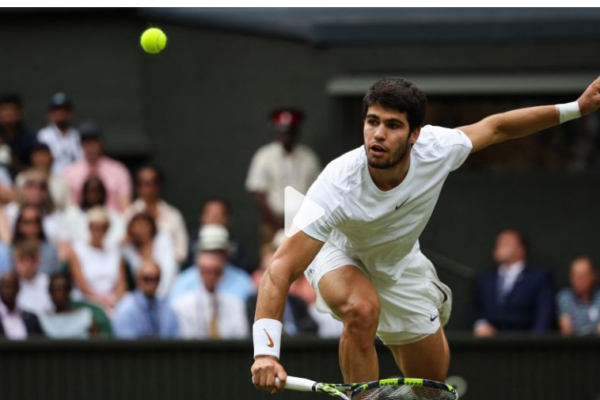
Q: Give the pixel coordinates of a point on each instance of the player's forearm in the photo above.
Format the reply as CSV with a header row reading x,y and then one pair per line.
x,y
272,294
523,122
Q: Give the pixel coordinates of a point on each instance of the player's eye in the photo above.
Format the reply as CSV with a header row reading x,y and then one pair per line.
x,y
372,122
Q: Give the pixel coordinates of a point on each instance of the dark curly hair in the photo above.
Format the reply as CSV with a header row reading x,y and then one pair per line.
x,y
398,94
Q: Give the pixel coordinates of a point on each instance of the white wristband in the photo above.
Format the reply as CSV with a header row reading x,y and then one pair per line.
x,y
568,111
266,335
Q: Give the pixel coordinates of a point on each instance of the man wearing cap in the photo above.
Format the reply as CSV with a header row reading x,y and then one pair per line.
x,y
234,281
278,164
60,136
113,173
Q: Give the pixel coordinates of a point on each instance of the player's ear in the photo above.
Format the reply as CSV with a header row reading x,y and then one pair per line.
x,y
414,135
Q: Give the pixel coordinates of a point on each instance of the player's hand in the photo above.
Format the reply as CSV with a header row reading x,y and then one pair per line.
x,y
590,99
264,371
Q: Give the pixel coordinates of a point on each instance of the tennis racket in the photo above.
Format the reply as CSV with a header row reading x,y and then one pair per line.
x,y
385,389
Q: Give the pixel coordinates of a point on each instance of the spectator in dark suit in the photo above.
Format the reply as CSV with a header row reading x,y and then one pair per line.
x,y
14,322
515,296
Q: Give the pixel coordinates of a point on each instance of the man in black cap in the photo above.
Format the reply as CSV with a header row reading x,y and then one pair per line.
x,y
14,133
114,174
59,135
278,164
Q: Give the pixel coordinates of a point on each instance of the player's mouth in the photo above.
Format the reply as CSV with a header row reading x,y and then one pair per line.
x,y
377,150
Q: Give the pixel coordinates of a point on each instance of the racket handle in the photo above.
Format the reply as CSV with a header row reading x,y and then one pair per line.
x,y
298,384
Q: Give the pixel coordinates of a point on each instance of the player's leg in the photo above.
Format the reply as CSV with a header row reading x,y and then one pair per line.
x,y
428,358
352,297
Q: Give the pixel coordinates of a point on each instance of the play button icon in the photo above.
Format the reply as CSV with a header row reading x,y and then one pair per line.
x,y
299,211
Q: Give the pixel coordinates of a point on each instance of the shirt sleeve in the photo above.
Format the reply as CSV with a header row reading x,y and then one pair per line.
x,y
257,180
454,145
563,302
325,195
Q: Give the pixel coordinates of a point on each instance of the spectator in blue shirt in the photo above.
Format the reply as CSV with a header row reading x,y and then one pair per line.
x,y
579,305
141,314
235,281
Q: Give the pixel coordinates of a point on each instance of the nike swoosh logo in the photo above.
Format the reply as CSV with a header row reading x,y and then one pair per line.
x,y
271,344
397,207
432,318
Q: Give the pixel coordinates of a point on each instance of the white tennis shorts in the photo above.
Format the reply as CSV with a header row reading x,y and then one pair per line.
x,y
412,307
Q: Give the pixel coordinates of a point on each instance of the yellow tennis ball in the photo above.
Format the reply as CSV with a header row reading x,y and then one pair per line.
x,y
153,40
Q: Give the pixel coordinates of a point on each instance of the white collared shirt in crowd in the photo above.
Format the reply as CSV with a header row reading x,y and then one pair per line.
x,y
194,313
272,169
508,275
34,296
65,147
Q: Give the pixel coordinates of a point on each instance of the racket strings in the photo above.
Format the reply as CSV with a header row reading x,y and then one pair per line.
x,y
403,393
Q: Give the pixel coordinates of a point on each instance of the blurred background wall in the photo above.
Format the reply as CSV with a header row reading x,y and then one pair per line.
x,y
199,109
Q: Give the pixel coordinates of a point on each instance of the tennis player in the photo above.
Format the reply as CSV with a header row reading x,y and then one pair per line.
x,y
363,257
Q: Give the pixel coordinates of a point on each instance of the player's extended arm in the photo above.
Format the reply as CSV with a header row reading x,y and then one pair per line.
x,y
518,123
289,261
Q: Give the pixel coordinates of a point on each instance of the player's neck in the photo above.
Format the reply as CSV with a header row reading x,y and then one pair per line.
x,y
387,179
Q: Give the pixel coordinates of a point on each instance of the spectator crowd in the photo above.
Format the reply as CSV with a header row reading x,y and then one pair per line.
x,y
81,257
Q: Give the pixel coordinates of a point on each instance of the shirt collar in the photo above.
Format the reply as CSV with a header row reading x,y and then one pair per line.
x,y
511,269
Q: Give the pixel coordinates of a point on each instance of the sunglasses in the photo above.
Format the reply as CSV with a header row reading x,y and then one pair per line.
x,y
150,278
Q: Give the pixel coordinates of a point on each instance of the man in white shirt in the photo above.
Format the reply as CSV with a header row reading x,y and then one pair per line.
x,y
363,255
281,163
207,313
33,293
59,135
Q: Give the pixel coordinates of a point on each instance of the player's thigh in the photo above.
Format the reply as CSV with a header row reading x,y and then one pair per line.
x,y
428,358
349,293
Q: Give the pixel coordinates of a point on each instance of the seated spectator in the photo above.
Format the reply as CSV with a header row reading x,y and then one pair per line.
x,y
35,192
235,282
66,321
29,227
14,133
98,270
149,182
59,135
33,293
141,314
113,173
41,160
15,323
93,195
145,243
515,296
296,319
579,305
218,212
207,313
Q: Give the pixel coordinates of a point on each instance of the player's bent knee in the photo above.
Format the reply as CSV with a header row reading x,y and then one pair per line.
x,y
361,315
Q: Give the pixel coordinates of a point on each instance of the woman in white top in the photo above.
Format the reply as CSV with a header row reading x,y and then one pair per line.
x,y
144,242
93,195
35,192
98,270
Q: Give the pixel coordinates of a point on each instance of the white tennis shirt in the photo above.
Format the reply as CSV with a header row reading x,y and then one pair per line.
x,y
379,228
